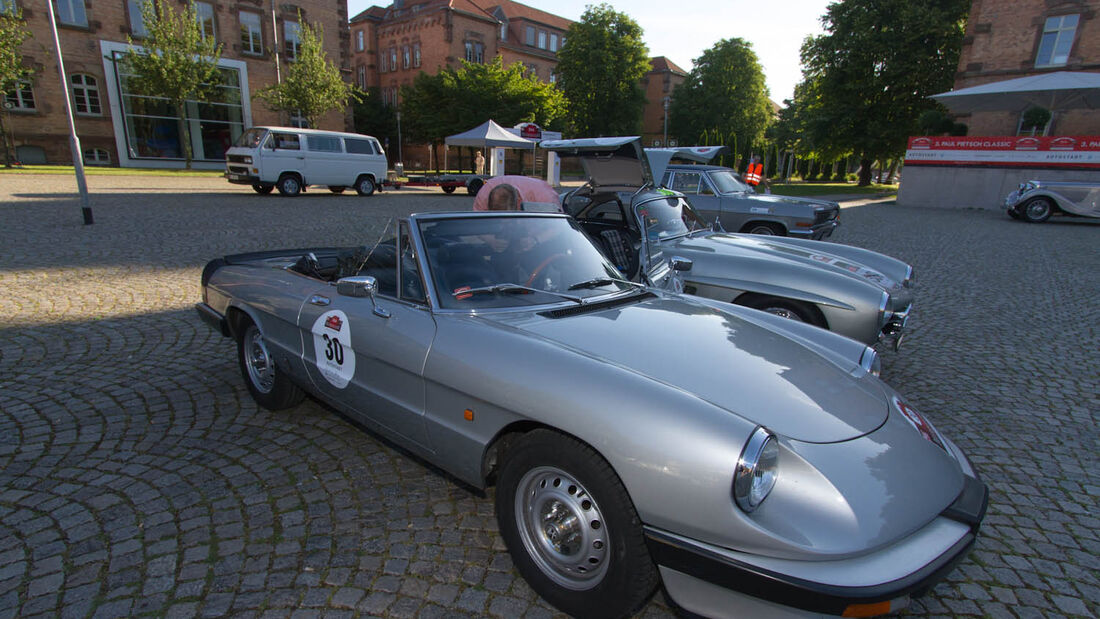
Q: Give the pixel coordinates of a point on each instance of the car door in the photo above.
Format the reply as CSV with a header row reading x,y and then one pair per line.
x,y
693,184
367,356
281,152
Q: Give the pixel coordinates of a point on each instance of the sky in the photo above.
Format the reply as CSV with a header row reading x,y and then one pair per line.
x,y
682,30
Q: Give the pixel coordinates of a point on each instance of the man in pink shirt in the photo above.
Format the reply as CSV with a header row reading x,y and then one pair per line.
x,y
525,189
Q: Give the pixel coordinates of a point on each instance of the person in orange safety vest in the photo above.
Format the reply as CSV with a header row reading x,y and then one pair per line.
x,y
754,173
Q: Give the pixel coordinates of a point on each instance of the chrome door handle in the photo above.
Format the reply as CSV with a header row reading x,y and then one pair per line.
x,y
319,300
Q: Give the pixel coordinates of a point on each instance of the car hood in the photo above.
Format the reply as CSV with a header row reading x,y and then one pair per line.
x,y
725,359
755,246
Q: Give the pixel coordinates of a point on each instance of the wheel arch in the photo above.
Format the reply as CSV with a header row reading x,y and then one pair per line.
x,y
237,317
747,297
491,455
773,223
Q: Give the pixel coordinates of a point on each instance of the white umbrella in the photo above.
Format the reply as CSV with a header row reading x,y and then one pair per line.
x,y
1062,90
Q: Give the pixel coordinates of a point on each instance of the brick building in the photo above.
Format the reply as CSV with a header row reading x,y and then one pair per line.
x,y
117,127
663,77
1018,38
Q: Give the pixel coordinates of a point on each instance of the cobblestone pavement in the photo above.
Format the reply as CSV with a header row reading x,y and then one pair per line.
x,y
138,477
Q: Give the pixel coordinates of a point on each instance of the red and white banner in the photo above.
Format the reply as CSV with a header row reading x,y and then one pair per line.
x,y
1005,151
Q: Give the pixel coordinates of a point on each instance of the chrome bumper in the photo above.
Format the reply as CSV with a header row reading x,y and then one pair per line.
x,y
893,328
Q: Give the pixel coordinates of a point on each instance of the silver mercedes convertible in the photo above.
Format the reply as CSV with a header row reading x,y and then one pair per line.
x,y
751,464
856,292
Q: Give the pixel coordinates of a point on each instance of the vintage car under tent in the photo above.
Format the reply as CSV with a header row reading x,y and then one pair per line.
x,y
979,171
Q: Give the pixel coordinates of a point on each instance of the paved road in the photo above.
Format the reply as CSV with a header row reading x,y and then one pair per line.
x,y
136,475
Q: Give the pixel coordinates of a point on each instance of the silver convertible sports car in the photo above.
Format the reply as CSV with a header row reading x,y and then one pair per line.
x,y
635,436
853,291
1037,201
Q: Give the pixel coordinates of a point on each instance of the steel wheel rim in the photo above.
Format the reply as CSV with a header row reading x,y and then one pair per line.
x,y
784,312
562,528
366,186
261,371
290,185
1038,208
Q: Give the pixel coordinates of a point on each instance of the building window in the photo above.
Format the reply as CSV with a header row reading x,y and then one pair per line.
x,y
530,35
1057,41
381,61
416,54
72,13
563,41
503,30
137,20
22,98
553,42
7,7
291,40
297,120
406,57
204,13
393,59
359,40
475,52
252,42
361,76
97,156
85,94
542,39
553,78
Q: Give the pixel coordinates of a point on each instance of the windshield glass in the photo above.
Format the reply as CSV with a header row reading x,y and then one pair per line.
x,y
251,138
725,181
540,259
669,217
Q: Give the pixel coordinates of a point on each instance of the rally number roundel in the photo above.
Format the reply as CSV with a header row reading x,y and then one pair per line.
x,y
332,348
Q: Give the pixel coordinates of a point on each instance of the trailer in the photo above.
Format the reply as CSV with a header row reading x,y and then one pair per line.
x,y
447,182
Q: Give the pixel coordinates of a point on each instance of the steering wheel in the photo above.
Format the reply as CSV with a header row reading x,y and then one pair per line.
x,y
542,265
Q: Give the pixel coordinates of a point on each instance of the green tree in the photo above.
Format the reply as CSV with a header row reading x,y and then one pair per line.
x,y
12,71
870,75
601,67
457,99
724,95
313,86
176,63
373,117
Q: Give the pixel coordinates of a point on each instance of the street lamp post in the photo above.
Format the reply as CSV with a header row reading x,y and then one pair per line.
x,y
399,136
666,101
74,141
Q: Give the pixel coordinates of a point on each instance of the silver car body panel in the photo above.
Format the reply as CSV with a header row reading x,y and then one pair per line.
x,y
1073,198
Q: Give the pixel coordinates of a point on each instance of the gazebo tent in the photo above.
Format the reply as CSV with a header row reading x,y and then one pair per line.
x,y
488,135
1057,91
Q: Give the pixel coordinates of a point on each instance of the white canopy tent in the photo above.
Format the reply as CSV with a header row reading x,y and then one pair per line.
x,y
1062,90
487,135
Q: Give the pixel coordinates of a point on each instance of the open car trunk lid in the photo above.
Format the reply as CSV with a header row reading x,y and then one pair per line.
x,y
616,162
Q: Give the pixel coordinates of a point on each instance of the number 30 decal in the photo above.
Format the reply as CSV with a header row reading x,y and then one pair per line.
x,y
332,348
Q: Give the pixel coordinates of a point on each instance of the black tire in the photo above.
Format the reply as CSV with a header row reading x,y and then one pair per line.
x,y
337,188
262,188
448,189
765,228
787,308
365,185
1037,210
267,384
1013,213
592,560
474,186
289,185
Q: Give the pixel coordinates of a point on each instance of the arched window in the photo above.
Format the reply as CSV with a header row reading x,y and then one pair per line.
x,y
97,156
85,94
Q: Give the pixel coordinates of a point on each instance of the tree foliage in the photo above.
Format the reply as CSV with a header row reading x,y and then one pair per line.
x,y
373,117
12,72
867,79
175,63
312,86
601,67
457,99
724,99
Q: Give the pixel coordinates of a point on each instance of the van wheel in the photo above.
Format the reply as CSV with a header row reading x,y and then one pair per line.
x,y
289,185
262,188
474,186
337,188
365,185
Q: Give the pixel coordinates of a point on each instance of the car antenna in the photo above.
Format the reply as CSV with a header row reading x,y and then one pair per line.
x,y
376,244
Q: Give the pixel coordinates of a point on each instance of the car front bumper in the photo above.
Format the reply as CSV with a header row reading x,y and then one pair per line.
x,y
714,581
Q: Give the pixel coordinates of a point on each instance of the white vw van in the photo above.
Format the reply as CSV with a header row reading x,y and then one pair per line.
x,y
292,159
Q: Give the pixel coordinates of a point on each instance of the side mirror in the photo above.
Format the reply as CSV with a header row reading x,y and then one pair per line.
x,y
362,286
678,263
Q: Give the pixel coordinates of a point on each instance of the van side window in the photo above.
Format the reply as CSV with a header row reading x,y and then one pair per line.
x,y
324,143
359,147
285,141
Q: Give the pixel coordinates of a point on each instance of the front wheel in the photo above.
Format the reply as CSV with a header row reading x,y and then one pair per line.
x,y
765,228
289,185
448,189
262,188
1037,210
785,308
571,527
474,186
269,387
365,186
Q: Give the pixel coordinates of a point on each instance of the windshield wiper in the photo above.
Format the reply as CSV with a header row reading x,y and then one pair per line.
x,y
596,282
506,287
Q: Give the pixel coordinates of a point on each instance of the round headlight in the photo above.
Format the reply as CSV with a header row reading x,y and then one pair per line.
x,y
757,470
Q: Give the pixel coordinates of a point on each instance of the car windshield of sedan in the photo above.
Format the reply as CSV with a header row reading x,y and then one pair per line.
x,y
513,260
725,181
